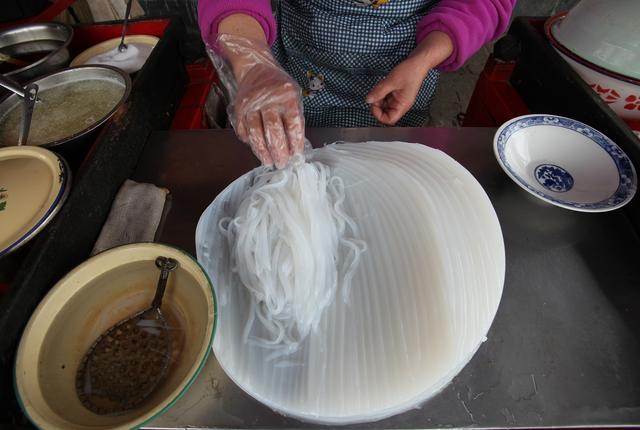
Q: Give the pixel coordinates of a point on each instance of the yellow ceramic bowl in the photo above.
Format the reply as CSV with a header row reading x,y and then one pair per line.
x,y
94,296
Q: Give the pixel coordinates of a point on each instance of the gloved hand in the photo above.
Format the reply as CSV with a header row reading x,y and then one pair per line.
x,y
265,102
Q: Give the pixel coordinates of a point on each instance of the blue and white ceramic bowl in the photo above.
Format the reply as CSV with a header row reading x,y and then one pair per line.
x,y
565,162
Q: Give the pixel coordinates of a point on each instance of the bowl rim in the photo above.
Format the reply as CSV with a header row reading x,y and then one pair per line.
x,y
56,204
56,51
131,38
548,29
601,206
123,99
189,382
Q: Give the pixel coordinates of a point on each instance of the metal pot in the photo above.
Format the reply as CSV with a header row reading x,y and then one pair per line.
x,y
77,139
29,42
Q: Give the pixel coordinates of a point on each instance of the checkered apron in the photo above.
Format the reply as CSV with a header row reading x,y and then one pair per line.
x,y
338,50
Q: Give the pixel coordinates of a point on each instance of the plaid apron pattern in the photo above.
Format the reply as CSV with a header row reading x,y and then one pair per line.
x,y
338,50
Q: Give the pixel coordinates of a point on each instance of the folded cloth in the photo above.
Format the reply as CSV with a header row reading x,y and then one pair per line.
x,y
134,217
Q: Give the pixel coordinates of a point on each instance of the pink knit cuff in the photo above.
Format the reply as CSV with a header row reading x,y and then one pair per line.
x,y
212,12
469,23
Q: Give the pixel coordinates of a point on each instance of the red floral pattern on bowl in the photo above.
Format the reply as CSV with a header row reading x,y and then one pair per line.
x,y
623,97
607,94
633,102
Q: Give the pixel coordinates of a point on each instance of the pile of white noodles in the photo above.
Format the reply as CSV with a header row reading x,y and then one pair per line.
x,y
293,247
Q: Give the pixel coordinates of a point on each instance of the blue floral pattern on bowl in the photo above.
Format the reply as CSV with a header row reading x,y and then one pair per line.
x,y
554,178
626,172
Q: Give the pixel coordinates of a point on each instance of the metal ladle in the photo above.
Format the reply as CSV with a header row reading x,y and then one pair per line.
x,y
29,96
123,46
125,363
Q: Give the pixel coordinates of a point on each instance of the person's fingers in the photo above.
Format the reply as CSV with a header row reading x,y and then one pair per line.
x,y
377,112
396,110
239,124
381,110
294,127
276,138
380,91
390,110
257,138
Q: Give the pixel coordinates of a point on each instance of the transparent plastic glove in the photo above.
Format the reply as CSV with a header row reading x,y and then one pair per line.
x,y
265,106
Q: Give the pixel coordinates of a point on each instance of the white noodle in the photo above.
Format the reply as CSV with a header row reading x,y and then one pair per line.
x,y
293,247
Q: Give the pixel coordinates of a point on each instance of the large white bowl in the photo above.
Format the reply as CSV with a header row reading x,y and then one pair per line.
x,y
622,96
621,92
565,162
606,33
434,255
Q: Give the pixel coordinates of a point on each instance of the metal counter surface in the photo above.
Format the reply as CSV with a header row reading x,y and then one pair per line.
x,y
563,350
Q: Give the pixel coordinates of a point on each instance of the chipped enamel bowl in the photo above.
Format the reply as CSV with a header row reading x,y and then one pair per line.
x,y
565,162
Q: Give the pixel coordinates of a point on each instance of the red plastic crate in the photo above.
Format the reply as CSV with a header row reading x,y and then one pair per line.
x,y
86,36
190,112
494,100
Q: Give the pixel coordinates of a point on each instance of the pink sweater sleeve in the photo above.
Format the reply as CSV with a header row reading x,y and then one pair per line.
x,y
469,23
211,12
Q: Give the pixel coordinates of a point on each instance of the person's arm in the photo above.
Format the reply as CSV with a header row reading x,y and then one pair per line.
x,y
446,37
244,26
469,23
396,93
265,107
211,14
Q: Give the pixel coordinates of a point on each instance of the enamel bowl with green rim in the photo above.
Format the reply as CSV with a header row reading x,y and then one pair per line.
x,y
97,294
34,184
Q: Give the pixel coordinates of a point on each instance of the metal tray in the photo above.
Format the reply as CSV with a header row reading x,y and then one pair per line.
x,y
564,347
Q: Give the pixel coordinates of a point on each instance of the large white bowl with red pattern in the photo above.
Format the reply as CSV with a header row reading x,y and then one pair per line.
x,y
620,92
622,96
605,33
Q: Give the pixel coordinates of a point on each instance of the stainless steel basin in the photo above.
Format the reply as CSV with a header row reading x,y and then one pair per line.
x,y
43,47
67,83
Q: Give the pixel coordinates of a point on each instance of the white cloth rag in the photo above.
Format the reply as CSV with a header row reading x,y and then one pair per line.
x,y
134,216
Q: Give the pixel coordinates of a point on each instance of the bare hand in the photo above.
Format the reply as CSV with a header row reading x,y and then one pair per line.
x,y
395,94
392,97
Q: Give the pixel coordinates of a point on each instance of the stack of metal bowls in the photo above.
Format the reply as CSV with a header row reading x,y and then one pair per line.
x,y
73,104
34,50
39,53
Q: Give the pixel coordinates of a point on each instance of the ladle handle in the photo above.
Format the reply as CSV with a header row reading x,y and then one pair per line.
x,y
166,265
29,101
123,46
11,85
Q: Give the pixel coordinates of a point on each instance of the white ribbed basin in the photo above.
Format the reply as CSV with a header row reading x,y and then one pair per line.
x,y
421,303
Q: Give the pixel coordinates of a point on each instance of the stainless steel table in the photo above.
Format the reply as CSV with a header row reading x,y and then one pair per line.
x,y
564,349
